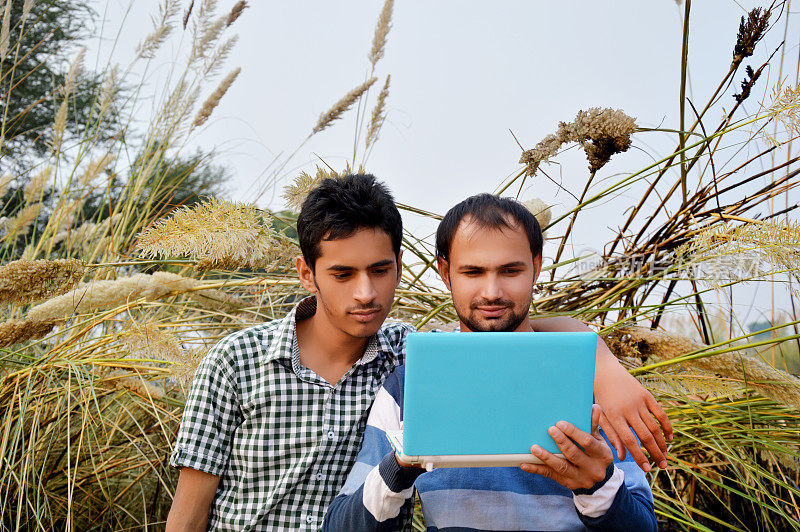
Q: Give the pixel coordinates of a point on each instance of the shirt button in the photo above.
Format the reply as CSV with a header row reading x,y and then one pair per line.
x,y
331,435
319,476
310,519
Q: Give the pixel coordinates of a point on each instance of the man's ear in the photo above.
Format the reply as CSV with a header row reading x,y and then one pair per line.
x,y
306,275
444,271
399,267
537,267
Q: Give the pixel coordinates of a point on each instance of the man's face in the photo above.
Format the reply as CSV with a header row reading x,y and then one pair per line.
x,y
490,275
354,279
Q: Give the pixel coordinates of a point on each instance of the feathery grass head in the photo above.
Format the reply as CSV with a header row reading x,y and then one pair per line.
x,y
21,222
340,107
295,194
653,345
148,340
381,33
162,26
727,252
34,188
25,281
5,30
105,294
236,12
17,331
378,115
213,232
211,103
540,210
750,32
600,132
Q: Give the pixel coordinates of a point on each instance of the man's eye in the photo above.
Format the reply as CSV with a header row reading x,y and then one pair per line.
x,y
380,271
512,271
472,273
341,276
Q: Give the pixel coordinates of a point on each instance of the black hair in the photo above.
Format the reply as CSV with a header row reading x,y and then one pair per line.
x,y
337,207
489,211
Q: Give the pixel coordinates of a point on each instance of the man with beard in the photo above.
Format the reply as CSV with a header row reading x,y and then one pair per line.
x,y
489,256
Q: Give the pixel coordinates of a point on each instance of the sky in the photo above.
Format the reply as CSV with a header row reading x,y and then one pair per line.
x,y
464,76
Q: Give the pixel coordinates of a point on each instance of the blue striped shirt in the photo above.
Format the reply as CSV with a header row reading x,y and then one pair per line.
x,y
378,493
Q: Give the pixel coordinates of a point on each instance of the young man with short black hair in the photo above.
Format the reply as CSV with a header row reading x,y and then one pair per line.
x,y
489,256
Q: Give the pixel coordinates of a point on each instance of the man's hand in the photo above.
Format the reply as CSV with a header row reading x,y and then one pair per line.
x,y
626,403
580,468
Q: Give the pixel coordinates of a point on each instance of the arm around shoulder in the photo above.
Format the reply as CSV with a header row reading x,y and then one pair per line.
x,y
192,502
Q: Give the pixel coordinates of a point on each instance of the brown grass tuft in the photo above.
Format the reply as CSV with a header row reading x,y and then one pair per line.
x,y
650,346
236,12
24,281
16,331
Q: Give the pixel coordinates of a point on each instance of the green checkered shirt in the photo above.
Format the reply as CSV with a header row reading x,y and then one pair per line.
x,y
281,438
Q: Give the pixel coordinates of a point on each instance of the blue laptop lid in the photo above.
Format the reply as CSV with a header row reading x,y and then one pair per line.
x,y
494,393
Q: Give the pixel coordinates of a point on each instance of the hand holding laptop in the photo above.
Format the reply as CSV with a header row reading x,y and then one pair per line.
x,y
585,457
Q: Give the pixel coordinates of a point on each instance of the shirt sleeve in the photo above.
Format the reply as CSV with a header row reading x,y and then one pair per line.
x,y
623,502
378,494
210,417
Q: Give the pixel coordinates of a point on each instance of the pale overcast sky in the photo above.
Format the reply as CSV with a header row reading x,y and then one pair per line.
x,y
464,73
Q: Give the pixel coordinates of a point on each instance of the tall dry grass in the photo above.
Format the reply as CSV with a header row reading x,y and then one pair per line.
x,y
95,362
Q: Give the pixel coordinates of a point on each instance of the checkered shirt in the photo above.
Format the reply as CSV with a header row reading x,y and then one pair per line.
x,y
281,438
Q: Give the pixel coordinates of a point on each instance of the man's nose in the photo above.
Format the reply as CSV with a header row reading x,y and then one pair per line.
x,y
492,288
364,290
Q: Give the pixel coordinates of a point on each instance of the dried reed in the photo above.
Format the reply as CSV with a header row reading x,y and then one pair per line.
x,y
32,192
600,132
25,281
540,210
17,331
211,103
5,30
340,107
99,295
216,232
236,12
378,115
381,33
295,193
647,344
162,27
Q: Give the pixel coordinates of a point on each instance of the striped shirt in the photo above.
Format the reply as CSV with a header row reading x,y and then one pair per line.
x,y
378,494
281,437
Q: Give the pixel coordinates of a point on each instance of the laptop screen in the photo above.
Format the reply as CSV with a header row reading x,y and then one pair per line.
x,y
496,392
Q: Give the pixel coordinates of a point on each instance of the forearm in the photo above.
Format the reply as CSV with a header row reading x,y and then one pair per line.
x,y
193,498
382,503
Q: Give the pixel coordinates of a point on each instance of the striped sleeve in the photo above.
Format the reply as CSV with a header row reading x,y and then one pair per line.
x,y
378,493
627,503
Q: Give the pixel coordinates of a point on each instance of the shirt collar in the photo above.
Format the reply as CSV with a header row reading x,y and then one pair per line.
x,y
284,344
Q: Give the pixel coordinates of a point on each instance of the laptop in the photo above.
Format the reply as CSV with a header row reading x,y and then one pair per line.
x,y
483,399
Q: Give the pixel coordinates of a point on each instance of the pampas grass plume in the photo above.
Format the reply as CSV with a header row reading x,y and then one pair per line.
x,y
16,331
216,232
34,188
381,33
24,281
100,295
236,12
340,107
540,210
211,103
378,114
